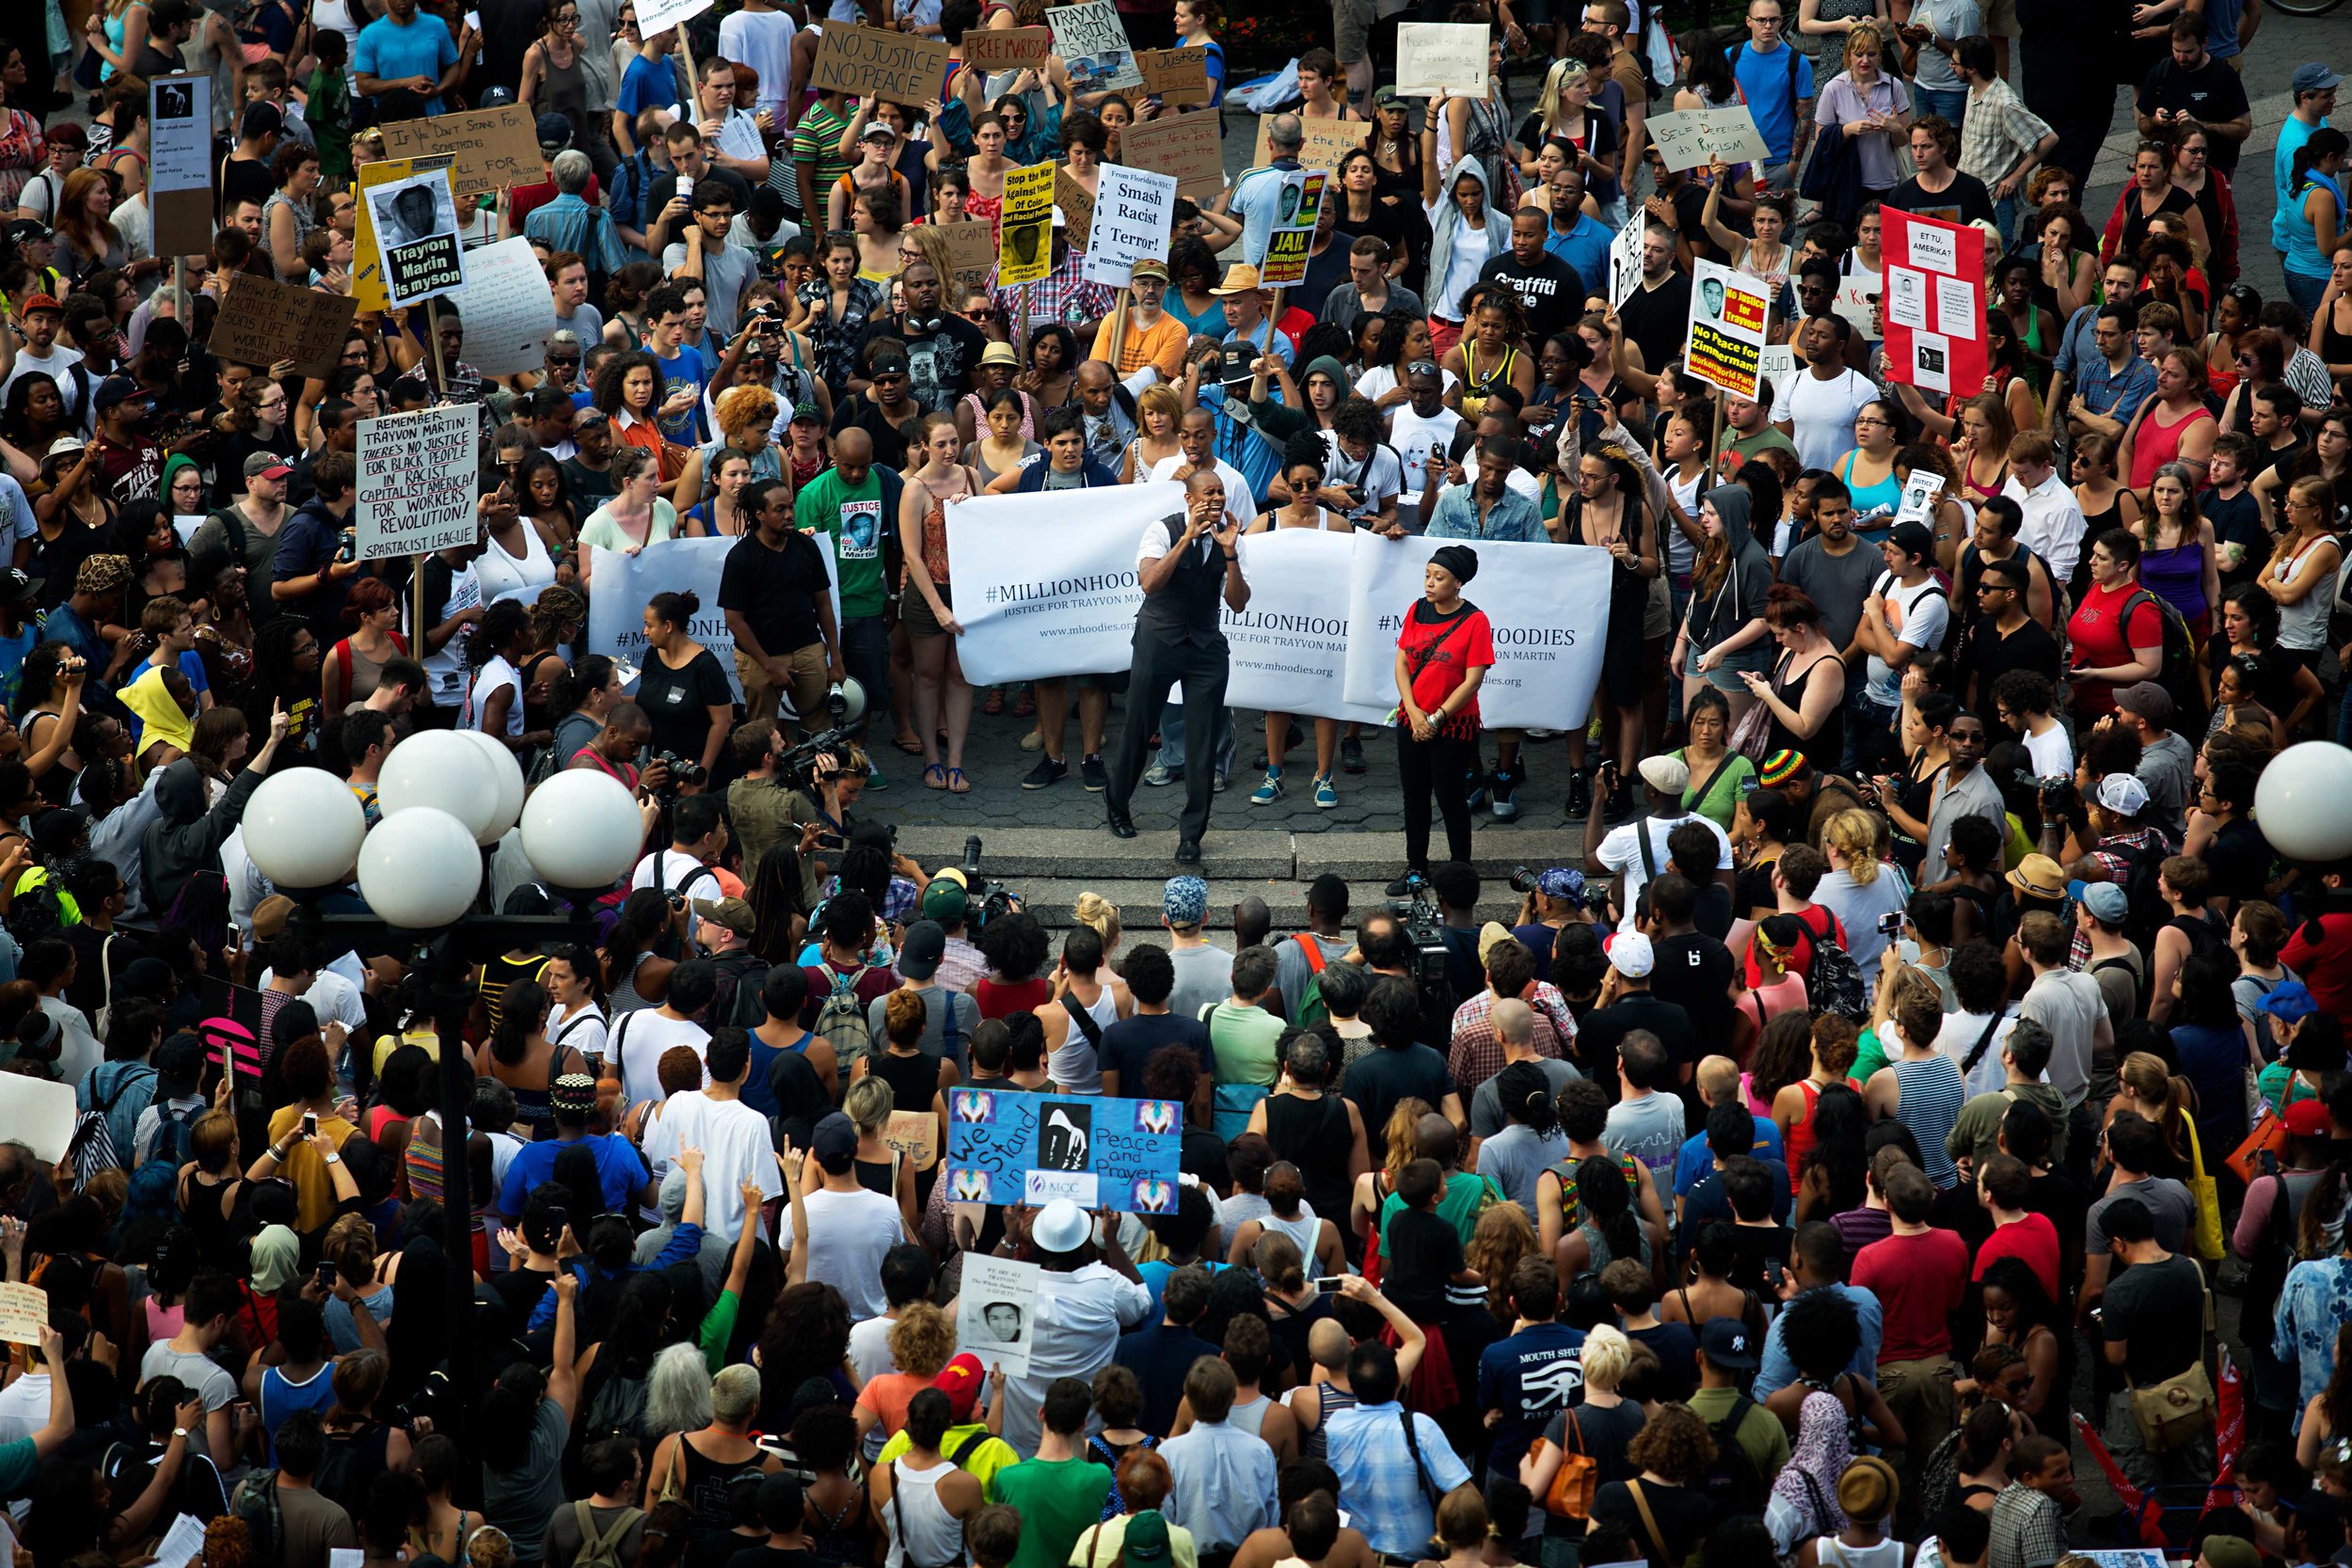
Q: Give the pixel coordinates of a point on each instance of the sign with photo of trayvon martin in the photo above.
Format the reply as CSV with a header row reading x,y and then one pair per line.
x,y
417,235
1092,43
1726,328
1296,209
996,1310
1025,239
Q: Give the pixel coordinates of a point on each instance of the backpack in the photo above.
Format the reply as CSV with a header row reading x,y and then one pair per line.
x,y
1732,1482
1832,981
2145,911
601,1551
741,976
841,1022
2177,674
618,1410
171,1133
112,1133
255,1501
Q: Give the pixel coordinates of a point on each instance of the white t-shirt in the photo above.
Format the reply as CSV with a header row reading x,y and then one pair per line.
x,y
1821,413
494,674
24,1406
1241,502
2052,754
1958,1039
870,1353
1414,436
445,666
1621,853
848,1235
1916,616
1379,381
763,40
680,873
58,367
584,1031
641,1038
734,1142
334,998
1380,475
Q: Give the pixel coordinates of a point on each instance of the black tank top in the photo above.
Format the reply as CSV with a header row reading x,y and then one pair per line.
x,y
1826,747
1313,1134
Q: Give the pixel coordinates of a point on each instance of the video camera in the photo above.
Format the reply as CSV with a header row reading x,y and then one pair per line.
x,y
985,900
1425,936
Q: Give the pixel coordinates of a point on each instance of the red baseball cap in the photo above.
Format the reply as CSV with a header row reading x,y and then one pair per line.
x,y
2308,1119
40,302
960,1380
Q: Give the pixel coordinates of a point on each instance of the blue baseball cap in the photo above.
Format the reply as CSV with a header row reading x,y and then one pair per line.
x,y
2103,899
2290,1001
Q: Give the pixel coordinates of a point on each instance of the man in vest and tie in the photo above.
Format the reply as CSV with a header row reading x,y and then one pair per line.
x,y
1185,564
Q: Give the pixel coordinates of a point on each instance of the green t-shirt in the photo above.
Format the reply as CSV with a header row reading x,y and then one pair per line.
x,y
1870,1056
1059,1499
1243,1041
1760,1436
1468,1195
853,515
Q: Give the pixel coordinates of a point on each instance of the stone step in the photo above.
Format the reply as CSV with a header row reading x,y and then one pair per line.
x,y
1086,853
1053,899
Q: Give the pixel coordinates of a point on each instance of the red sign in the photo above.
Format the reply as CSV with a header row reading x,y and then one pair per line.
x,y
1932,300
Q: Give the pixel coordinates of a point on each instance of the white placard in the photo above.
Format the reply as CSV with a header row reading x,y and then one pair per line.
x,y
1956,311
1289,648
1624,259
1853,304
1134,211
1092,43
1931,361
624,583
1548,604
1932,248
1920,493
1777,363
1448,57
996,1310
418,235
38,1115
1906,302
180,135
1689,138
418,476
509,313
1046,583
181,1544
655,16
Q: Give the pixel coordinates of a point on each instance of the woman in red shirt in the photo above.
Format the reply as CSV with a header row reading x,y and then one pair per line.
x,y
1442,654
2107,652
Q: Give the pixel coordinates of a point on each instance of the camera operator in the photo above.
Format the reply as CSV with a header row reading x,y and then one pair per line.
x,y
758,805
686,869
1552,900
817,805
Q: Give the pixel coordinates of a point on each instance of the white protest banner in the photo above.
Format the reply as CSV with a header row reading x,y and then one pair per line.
x,y
418,473
179,167
655,16
996,1311
1289,648
1777,363
509,313
418,235
24,1313
1134,210
624,582
41,1115
1548,605
1624,259
1726,328
1689,138
1448,57
1297,210
1852,303
1045,583
1092,43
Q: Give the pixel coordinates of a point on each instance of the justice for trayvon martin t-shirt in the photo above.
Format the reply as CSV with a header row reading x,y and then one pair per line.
x,y
853,515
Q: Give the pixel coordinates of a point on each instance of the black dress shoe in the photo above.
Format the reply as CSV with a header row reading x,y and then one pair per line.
x,y
1189,852
1121,825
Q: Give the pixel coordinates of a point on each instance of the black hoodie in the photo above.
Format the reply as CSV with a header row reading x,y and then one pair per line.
x,y
188,837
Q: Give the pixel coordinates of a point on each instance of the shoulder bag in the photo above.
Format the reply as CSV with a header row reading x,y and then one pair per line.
x,y
2171,1413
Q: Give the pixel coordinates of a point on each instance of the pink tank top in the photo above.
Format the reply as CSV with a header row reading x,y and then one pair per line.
x,y
2157,443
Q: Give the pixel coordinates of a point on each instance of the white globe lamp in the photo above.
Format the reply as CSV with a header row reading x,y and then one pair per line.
x,y
420,870
2304,801
439,771
303,827
582,829
508,773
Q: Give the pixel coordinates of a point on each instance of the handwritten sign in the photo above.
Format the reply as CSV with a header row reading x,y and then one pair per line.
x,y
1092,43
1025,250
1077,207
1434,57
1726,338
1007,48
972,251
1688,138
1097,1153
1184,145
489,150
1296,210
509,313
1180,72
179,172
262,321
24,1313
417,477
1624,259
874,62
1132,218
660,16
914,1134
1326,141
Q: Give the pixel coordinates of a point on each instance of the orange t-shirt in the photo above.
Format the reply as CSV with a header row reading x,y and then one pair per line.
x,y
888,1396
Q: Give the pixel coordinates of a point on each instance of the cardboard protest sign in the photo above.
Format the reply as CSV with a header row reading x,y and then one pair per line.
x,y
1728,311
1688,138
1775,364
180,164
509,313
972,247
1934,302
1624,259
1326,141
1133,212
1180,72
262,321
1025,247
24,1313
1434,57
1296,210
1077,207
1185,146
40,1115
417,477
914,1134
1092,43
367,264
417,237
656,16
996,1312
489,150
874,62
1007,48
1030,1149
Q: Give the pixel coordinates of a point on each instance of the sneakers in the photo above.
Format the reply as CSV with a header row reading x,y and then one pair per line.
x,y
1476,789
1223,778
1352,754
874,778
1048,772
1160,778
1325,797
1270,791
1580,795
1503,798
1092,774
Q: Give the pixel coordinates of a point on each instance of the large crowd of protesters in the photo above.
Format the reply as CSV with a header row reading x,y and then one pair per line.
x,y
1844,1149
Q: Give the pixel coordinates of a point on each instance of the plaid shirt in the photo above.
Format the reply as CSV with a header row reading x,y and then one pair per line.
x,y
2029,1529
961,967
1477,1053
1999,130
2115,855
1380,1484
1062,297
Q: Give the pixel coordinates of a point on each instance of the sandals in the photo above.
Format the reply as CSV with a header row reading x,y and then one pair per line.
x,y
911,745
934,777
996,704
957,782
